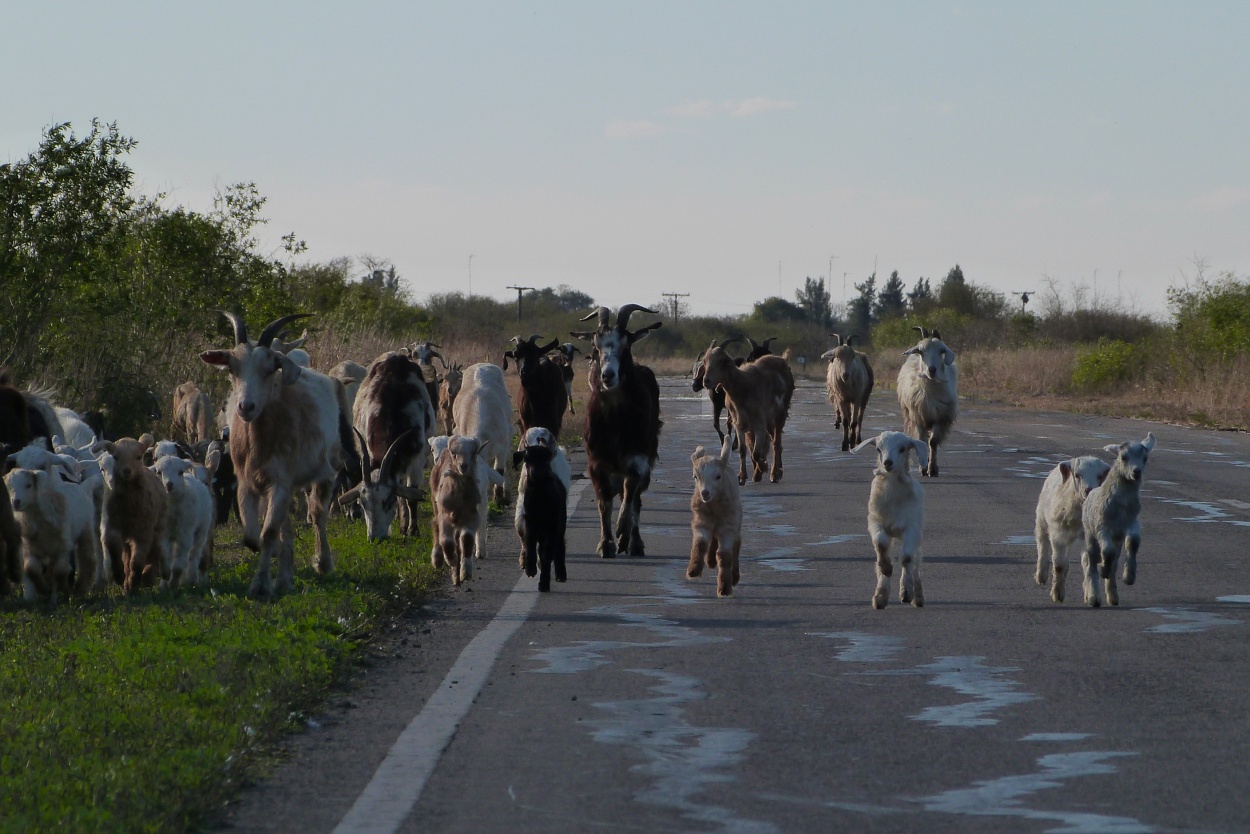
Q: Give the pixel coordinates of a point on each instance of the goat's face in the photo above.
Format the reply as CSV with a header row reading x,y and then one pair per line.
x,y
539,436
842,359
127,455
462,453
171,470
712,476
893,448
1132,457
614,354
452,379
716,366
23,486
1086,473
697,373
257,375
934,356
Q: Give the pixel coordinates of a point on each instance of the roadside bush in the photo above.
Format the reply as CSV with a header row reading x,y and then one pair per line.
x,y
1110,364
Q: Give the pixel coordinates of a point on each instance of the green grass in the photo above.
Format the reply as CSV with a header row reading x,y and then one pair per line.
x,y
146,713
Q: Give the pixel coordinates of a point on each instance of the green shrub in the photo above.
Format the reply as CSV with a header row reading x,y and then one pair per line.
x,y
1111,363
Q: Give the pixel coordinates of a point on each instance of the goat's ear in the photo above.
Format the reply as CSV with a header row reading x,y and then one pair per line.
x,y
290,371
949,355
1114,448
726,448
911,351
506,355
872,441
1065,469
827,355
147,441
698,453
220,358
212,460
408,493
922,453
1149,442
351,495
518,458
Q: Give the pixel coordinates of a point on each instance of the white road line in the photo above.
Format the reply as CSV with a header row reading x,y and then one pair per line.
x,y
397,784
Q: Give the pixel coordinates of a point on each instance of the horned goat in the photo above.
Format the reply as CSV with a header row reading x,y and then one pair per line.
x,y
928,393
483,409
896,511
759,396
716,518
542,396
287,431
716,395
563,357
622,427
848,380
1110,519
542,505
193,413
450,382
1058,519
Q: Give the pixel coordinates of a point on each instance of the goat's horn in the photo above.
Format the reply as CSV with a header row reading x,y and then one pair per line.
x,y
731,340
388,460
275,327
240,329
851,338
366,463
603,313
627,310
431,344
534,337
837,340
924,334
766,341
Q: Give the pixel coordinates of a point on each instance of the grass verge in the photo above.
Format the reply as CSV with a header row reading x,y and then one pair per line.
x,y
146,713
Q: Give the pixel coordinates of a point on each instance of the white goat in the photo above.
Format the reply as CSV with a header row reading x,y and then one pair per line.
x,y
896,511
58,533
460,498
1058,522
928,393
483,409
716,518
1110,520
542,505
189,523
848,381
77,433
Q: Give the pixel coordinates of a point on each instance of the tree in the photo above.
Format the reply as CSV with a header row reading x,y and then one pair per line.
x,y
890,302
816,303
861,307
778,309
920,295
564,298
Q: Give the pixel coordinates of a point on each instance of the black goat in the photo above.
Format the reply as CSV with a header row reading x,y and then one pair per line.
x,y
542,515
543,397
622,429
563,356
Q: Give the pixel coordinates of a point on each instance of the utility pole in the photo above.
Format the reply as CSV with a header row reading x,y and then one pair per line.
x,y
470,276
673,296
832,258
519,292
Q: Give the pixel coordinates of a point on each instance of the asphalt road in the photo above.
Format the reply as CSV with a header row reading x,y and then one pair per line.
x,y
631,699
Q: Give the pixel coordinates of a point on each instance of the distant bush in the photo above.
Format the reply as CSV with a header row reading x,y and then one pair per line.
x,y
1111,363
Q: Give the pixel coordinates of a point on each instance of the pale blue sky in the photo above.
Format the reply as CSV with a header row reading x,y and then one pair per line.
x,y
630,149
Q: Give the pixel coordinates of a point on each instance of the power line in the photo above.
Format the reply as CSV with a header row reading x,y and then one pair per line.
x,y
673,296
520,291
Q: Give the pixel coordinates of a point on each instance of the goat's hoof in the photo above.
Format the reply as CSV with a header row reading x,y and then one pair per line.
x,y
1056,596
561,574
918,600
904,597
636,548
1092,603
606,549
878,601
544,585
260,592
694,571
1041,578
724,592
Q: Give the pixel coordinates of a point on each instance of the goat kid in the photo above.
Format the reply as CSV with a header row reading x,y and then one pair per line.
x,y
542,505
716,518
1058,519
460,496
1110,521
896,511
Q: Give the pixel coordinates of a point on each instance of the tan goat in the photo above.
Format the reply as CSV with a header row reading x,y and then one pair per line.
x,y
193,413
759,402
716,518
134,516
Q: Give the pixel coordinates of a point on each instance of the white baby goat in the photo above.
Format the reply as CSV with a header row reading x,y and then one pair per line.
x,y
896,511
1110,520
1058,522
716,518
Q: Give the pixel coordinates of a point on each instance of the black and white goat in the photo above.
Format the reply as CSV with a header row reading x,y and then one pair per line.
x,y
622,429
392,417
543,396
542,505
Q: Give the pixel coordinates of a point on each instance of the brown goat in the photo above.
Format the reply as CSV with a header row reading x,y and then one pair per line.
x,y
134,513
759,402
193,414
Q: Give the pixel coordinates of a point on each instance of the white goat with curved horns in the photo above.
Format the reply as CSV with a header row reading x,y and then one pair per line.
x,y
287,431
928,393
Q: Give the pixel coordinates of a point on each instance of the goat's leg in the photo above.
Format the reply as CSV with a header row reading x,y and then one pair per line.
x,y
717,408
847,416
1110,555
467,542
603,490
557,546
1041,575
910,584
932,471
857,412
778,469
700,544
544,560
726,546
85,552
636,482
885,568
318,502
279,502
529,552
742,454
734,552
115,547
1132,544
1090,560
249,517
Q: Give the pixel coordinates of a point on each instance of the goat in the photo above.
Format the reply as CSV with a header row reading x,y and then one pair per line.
x,y
563,357
459,496
848,380
483,410
59,542
928,393
349,374
717,396
77,432
542,505
189,526
1058,518
896,511
392,417
224,483
425,354
193,413
622,427
543,396
288,430
25,415
759,396
450,382
1110,520
10,546
715,518
135,515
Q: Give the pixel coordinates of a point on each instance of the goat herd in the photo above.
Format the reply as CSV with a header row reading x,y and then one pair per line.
x,y
80,511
